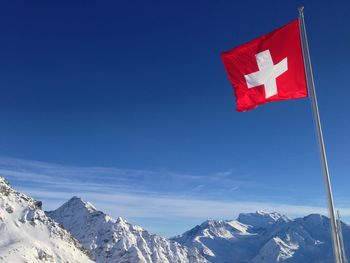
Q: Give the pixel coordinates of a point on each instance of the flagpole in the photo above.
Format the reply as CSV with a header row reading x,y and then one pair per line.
x,y
341,239
316,114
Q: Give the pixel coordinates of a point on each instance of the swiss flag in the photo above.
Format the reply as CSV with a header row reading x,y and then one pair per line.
x,y
269,68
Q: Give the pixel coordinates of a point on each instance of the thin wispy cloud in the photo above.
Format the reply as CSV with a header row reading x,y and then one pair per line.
x,y
139,194
44,175
171,206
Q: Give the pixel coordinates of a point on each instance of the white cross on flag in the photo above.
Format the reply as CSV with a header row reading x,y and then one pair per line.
x,y
269,68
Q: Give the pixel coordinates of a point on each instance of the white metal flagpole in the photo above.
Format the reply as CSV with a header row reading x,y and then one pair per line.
x,y
341,239
316,114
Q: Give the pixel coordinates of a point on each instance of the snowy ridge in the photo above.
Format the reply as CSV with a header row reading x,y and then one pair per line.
x,y
259,219
263,237
116,240
220,241
275,250
28,235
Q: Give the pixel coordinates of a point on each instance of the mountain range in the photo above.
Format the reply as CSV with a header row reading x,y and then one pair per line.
x,y
78,232
111,240
263,237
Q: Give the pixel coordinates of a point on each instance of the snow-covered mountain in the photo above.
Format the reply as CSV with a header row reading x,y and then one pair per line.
x,y
118,241
28,235
265,238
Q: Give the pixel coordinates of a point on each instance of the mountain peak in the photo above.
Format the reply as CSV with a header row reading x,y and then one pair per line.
x,y
2,179
264,213
121,220
259,219
4,183
75,198
316,218
78,203
76,212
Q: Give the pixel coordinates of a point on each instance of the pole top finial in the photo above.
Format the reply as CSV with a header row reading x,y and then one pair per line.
x,y
301,9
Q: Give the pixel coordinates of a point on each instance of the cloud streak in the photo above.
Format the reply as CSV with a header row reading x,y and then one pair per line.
x,y
45,175
140,194
135,206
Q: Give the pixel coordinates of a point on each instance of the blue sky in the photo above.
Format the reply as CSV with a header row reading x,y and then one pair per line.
x,y
127,104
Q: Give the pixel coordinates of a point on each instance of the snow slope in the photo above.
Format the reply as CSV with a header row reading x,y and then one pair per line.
x,y
116,240
28,235
265,238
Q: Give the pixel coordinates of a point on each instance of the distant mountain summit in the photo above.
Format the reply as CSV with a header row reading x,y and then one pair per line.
x,y
261,219
28,235
263,237
112,240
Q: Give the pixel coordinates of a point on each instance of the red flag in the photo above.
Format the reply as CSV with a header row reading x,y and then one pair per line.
x,y
269,68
